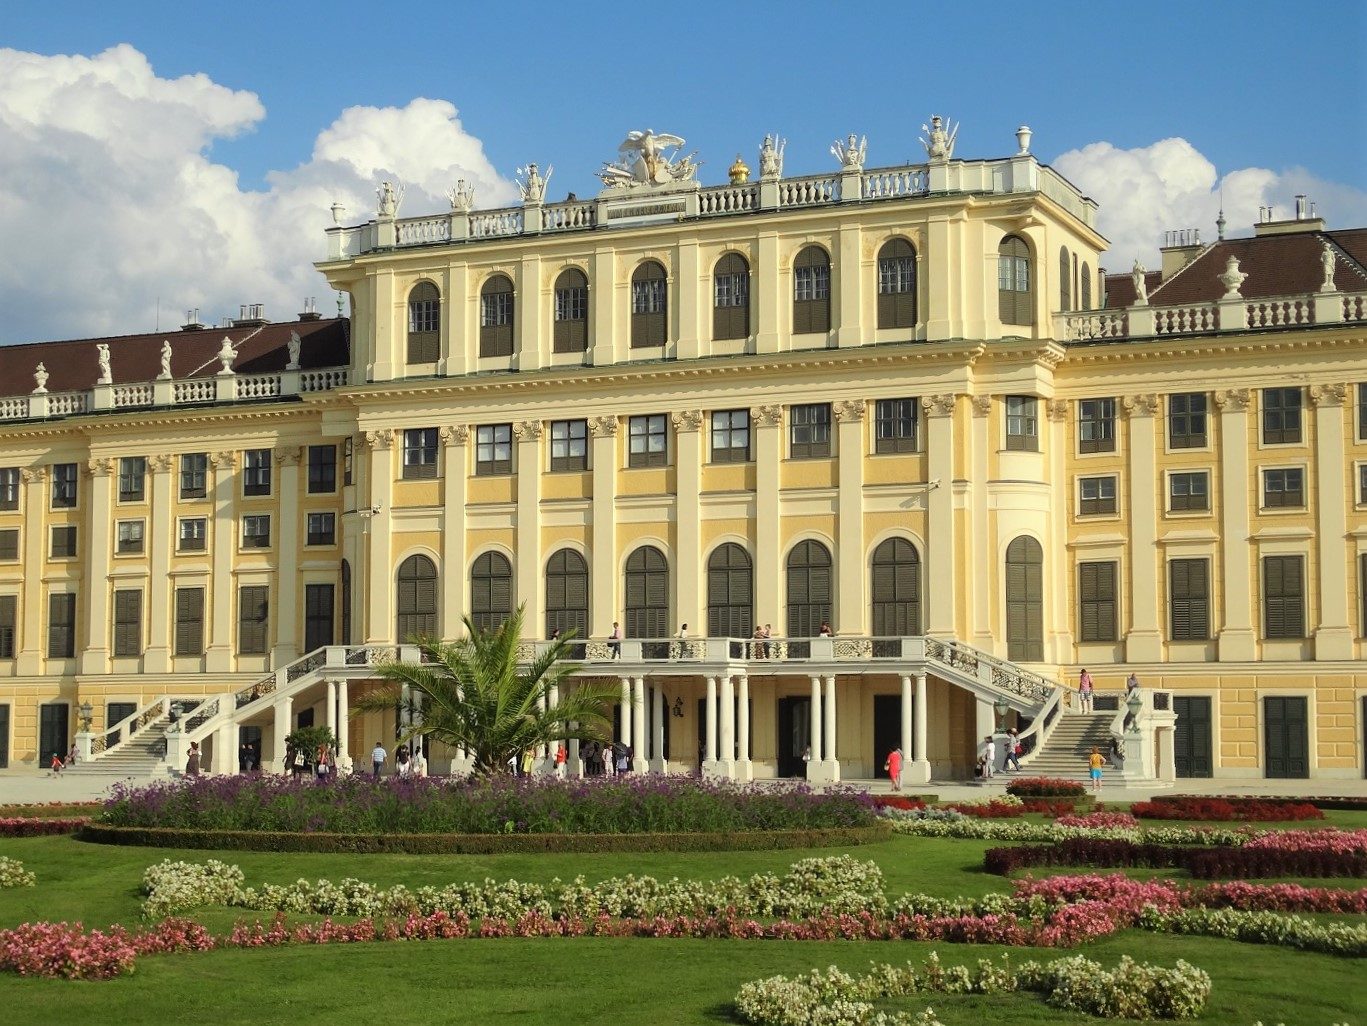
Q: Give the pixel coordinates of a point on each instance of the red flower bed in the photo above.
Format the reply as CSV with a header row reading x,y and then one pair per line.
x,y
1202,863
1051,808
1223,810
1046,787
991,810
32,827
897,801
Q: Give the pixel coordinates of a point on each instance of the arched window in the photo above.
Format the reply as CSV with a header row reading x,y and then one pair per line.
x,y
647,597
1025,601
1086,287
896,589
811,291
424,323
1015,293
897,285
809,592
567,593
1065,278
571,311
731,297
491,591
346,602
649,306
496,317
417,600
730,593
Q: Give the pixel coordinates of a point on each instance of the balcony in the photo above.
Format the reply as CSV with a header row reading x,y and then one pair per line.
x,y
1239,315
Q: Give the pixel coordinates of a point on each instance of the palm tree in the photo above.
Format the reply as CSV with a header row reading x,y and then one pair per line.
x,y
476,694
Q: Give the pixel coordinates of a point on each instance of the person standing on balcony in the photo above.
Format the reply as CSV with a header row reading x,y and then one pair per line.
x,y
893,764
615,640
1084,690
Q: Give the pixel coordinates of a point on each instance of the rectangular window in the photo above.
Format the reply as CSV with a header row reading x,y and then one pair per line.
x,y
424,315
9,543
127,622
1283,597
64,486
1022,423
189,621
1281,416
128,537
730,436
493,450
9,488
253,618
1096,425
419,453
648,296
132,478
1189,599
1096,495
322,469
648,440
256,531
809,431
895,423
9,609
256,472
194,475
1096,601
731,289
193,535
318,605
1187,420
569,445
572,303
61,626
811,283
63,542
322,529
1284,489
1189,491
495,309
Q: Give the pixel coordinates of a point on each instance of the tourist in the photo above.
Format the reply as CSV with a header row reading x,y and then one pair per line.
x,y
768,633
678,650
322,762
893,764
760,649
244,757
1094,763
624,755
56,766
989,757
561,756
1084,690
1014,750
609,759
377,760
615,640
298,761
526,763
192,762
402,764
824,631
71,755
253,759
1131,691
419,769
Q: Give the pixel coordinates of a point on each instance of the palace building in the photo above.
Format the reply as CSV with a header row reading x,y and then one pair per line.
x,y
872,458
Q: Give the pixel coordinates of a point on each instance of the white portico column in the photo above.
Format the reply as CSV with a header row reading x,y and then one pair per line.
x,y
906,723
727,756
624,712
282,711
830,764
918,772
343,727
744,770
814,753
639,762
709,764
330,707
657,730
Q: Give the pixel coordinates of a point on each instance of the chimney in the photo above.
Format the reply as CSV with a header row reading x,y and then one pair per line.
x,y
251,315
192,321
310,312
1304,221
1179,248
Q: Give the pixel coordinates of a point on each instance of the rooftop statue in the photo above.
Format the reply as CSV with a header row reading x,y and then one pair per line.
x,y
165,374
1328,259
293,346
642,160
40,380
462,197
534,188
771,158
389,199
939,138
1141,285
227,354
851,152
106,374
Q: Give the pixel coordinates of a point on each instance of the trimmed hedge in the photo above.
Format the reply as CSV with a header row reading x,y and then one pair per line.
x,y
1202,863
50,810
481,844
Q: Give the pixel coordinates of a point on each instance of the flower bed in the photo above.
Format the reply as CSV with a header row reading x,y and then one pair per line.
x,y
25,826
1101,820
948,823
1203,863
1046,787
1225,810
50,810
898,801
13,874
1344,841
358,805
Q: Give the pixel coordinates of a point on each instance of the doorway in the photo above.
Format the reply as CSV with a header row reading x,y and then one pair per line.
x,y
1191,740
887,729
250,736
53,732
1286,738
794,735
117,712
4,737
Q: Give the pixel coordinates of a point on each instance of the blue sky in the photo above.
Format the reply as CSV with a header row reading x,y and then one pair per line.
x,y
1253,89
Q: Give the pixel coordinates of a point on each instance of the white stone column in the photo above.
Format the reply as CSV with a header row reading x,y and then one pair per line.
x,y
222,592
379,623
1333,635
1237,640
659,714
850,589
224,760
330,712
94,648
528,571
343,727
639,762
710,752
906,735
744,768
920,766
687,520
286,538
1143,642
814,760
575,764
940,546
726,756
161,536
454,440
624,711
283,710
830,763
603,541
766,423
33,604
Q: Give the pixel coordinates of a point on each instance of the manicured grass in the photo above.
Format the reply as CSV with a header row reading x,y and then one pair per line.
x,y
558,980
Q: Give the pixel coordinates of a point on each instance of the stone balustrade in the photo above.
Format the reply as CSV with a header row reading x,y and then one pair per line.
x,y
1212,318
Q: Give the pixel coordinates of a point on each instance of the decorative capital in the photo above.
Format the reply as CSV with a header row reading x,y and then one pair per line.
x,y
767,416
1233,398
102,466
1056,409
982,405
30,475
851,410
454,434
159,463
287,457
1143,405
1333,394
686,420
381,439
527,430
226,460
603,427
940,405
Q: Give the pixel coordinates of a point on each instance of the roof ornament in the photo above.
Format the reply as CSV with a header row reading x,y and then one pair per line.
x,y
642,160
532,185
227,354
40,380
851,152
106,372
1141,285
1328,260
165,374
1232,279
1023,135
294,346
389,199
771,158
341,303
739,172
940,136
462,197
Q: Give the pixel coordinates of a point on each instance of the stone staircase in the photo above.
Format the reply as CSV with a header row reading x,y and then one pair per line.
x,y
140,756
1065,753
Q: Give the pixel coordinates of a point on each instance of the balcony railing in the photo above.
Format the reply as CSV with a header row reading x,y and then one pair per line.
x,y
1316,308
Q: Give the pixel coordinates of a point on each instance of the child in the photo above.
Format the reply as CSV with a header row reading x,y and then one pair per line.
x,y
1094,762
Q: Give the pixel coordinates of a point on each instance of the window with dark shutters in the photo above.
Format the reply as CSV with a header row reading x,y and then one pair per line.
x,y
496,317
1281,416
1022,423
1096,586
1096,425
731,297
567,593
895,422
318,606
897,285
419,453
811,291
1283,597
809,589
896,589
189,621
1189,599
127,622
1025,600
646,590
649,306
571,332
424,323
63,542
648,440
809,431
1065,276
9,606
1187,420
61,625
730,592
491,591
1189,491
322,469
417,600
1015,288
9,543
253,617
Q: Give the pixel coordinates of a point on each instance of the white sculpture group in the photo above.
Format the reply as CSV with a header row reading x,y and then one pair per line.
x,y
642,160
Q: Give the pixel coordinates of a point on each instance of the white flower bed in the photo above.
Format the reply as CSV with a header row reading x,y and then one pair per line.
x,y
1280,928
946,823
13,874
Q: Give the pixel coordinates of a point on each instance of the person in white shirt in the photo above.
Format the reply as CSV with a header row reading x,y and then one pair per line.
x,y
990,754
419,766
377,760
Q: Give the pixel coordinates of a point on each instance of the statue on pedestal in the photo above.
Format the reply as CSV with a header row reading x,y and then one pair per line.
x,y
533,189
771,158
294,346
389,199
642,160
165,374
1328,260
1232,279
462,197
939,139
851,152
40,380
106,373
1141,286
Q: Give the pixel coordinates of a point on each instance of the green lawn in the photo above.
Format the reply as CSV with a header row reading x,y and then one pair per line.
x,y
556,981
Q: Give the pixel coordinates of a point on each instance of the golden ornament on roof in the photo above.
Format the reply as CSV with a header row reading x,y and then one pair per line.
x,y
739,172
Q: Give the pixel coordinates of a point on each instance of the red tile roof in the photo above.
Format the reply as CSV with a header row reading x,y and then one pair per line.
x,y
73,365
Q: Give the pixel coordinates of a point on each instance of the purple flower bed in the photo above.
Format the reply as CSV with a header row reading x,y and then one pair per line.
x,y
497,805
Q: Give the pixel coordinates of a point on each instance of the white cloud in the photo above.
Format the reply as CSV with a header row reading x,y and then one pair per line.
x,y
110,202
1146,191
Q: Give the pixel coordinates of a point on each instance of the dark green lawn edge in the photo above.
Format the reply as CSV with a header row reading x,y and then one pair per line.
x,y
481,844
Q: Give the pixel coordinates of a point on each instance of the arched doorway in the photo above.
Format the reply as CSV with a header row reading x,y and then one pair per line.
x,y
1025,600
730,593
417,600
809,593
647,599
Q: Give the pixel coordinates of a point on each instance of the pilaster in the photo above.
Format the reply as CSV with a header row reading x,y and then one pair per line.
x,y
687,522
767,422
288,618
690,303
162,536
94,648
767,293
222,589
850,277
1333,636
30,652
602,319
940,545
379,623
528,572
603,541
980,580
455,448
389,326
533,352
850,604
1143,642
1237,641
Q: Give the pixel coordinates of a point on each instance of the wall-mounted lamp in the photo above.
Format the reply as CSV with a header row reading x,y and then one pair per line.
x,y
678,707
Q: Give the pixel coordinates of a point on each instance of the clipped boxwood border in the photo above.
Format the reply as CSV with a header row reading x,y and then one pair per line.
x,y
481,844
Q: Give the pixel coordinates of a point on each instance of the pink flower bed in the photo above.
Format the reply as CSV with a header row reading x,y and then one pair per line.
x,y
1129,896
1339,842
29,826
1112,820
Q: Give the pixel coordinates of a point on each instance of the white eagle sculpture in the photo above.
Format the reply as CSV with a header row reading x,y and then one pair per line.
x,y
642,160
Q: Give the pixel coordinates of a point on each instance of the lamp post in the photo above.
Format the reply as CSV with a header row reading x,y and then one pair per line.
x,y
1134,703
87,713
1001,708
